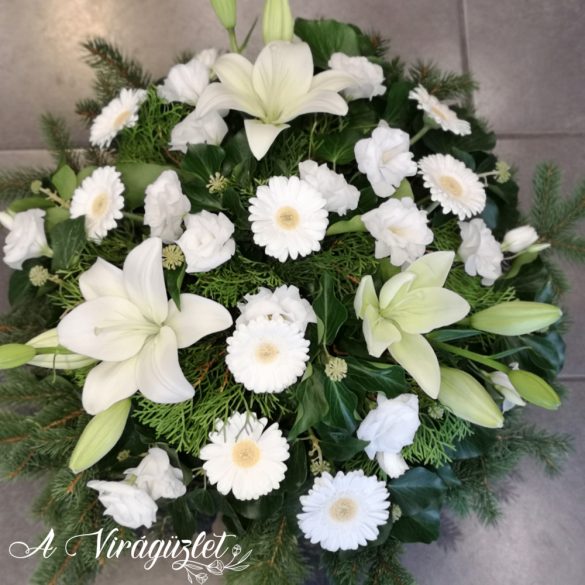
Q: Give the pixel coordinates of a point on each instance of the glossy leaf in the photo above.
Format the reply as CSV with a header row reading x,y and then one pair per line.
x,y
311,404
364,376
329,309
65,181
67,240
342,405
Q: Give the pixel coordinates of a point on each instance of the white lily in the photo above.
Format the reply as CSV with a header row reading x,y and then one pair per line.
x,y
127,322
410,304
278,87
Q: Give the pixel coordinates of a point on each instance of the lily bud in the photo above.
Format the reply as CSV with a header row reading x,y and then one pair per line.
x,y
13,355
99,436
468,399
515,318
519,239
55,361
226,12
534,389
277,22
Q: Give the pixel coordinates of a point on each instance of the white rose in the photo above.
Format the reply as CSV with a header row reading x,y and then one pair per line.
x,y
400,230
385,158
185,82
369,77
27,237
157,477
125,503
389,428
518,239
165,206
337,192
480,251
285,303
207,241
208,129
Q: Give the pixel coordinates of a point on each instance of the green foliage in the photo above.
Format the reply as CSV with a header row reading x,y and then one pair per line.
x,y
16,183
443,85
58,140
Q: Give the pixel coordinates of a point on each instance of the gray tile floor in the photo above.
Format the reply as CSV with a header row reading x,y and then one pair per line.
x,y
528,55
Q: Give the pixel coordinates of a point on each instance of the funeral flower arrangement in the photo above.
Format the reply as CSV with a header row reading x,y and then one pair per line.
x,y
294,291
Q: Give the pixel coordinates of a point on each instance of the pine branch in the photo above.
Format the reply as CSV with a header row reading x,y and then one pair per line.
x,y
15,183
58,140
444,86
547,193
88,109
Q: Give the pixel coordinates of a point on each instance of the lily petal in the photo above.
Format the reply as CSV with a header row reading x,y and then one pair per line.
x,y
332,80
158,372
261,136
395,288
108,383
197,318
316,101
102,280
431,269
365,296
415,354
144,280
379,333
108,328
216,97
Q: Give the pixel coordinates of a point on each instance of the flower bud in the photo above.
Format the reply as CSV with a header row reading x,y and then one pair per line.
x,y
99,436
13,355
519,239
277,22
55,361
465,397
534,389
226,12
515,318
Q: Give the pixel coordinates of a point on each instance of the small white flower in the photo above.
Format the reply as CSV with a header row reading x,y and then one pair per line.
x,y
288,217
440,113
389,428
339,195
369,77
99,199
453,185
267,355
400,230
208,129
27,237
120,113
185,82
156,476
502,384
128,505
207,242
244,457
385,158
519,239
165,206
345,511
284,303
480,251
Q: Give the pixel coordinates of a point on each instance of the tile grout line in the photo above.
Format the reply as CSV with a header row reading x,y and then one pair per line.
x,y
464,44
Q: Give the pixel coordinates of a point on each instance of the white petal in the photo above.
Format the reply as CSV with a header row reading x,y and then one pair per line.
x,y
316,101
415,354
392,463
395,288
108,383
216,97
144,280
261,136
332,80
365,296
158,371
102,280
432,269
379,333
197,318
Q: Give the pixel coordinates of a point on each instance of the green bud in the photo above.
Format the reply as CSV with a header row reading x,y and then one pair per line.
x,y
465,397
14,355
277,22
516,318
99,436
534,389
36,186
226,12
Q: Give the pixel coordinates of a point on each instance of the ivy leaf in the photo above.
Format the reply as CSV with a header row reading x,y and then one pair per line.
x,y
312,405
136,177
338,445
342,405
203,161
363,376
65,181
398,105
329,309
296,473
338,148
67,241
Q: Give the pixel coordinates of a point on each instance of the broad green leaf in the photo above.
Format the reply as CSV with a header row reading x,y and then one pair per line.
x,y
184,520
329,309
260,508
84,173
198,194
398,104
296,473
232,202
364,376
311,404
445,335
174,281
65,181
474,445
338,148
20,289
67,241
54,216
338,445
136,177
342,405
27,203
203,161
202,501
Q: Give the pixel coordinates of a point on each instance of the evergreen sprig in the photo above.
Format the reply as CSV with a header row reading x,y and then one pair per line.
x,y
16,183
443,85
58,140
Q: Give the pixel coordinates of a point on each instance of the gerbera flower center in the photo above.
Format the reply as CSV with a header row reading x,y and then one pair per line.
x,y
121,119
343,510
245,453
267,352
288,218
99,205
451,185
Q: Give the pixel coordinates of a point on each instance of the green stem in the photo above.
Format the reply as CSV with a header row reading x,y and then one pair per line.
x,y
471,355
134,216
52,350
420,134
355,224
235,48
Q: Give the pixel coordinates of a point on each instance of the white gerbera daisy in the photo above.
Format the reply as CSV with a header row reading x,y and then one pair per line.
x,y
457,188
440,113
244,457
289,218
345,511
121,112
99,199
267,355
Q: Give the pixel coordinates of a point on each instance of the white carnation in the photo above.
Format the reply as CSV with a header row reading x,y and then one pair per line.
x,y
369,77
480,251
208,129
27,237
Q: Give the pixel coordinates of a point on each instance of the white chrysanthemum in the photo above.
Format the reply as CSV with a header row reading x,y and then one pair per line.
x,y
345,511
244,457
369,77
289,218
284,303
440,113
400,230
208,129
121,112
185,82
267,355
480,251
99,199
339,195
453,185
385,158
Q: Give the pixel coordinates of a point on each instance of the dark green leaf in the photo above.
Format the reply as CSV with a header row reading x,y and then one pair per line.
x,y
398,105
342,405
474,445
65,181
27,203
174,280
260,508
337,445
364,376
67,241
296,473
232,202
545,355
338,147
203,501
20,289
54,216
199,196
445,335
329,309
312,405
184,520
203,161
136,177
